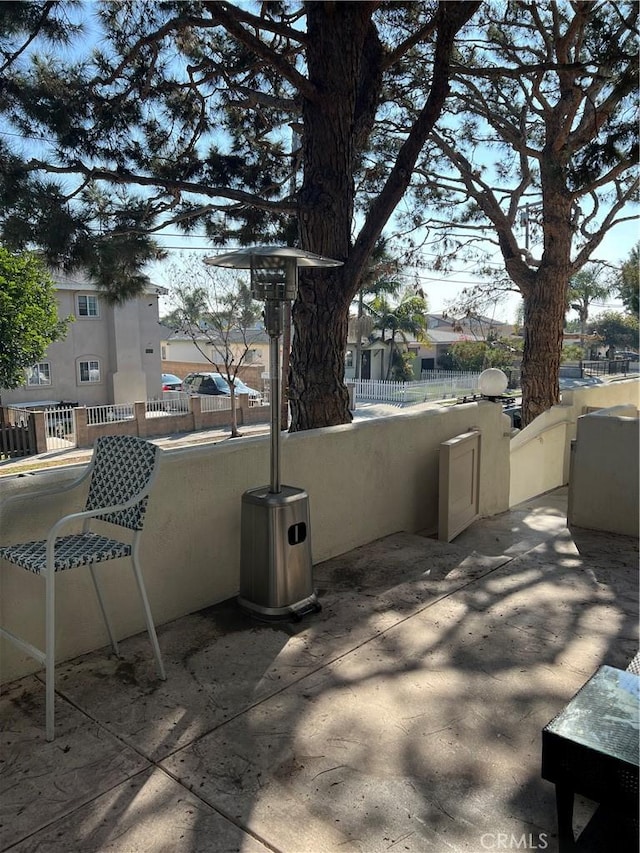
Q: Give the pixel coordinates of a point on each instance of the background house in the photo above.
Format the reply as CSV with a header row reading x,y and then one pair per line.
x,y
594,346
111,353
180,355
442,332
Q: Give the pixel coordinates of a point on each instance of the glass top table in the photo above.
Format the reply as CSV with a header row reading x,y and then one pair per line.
x,y
592,747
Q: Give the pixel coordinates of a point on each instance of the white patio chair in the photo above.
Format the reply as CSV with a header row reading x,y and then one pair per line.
x,y
121,473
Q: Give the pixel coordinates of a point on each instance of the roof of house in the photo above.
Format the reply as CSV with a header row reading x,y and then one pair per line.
x,y
251,336
80,281
448,336
474,318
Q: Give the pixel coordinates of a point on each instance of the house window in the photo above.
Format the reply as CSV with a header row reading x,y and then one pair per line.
x,y
89,371
39,374
348,359
87,305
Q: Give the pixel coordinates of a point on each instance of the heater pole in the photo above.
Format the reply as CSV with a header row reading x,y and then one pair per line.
x,y
275,308
274,323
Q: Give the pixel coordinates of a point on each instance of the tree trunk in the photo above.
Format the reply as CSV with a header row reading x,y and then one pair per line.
x,y
317,393
235,433
346,63
359,335
392,350
337,38
544,311
546,295
284,372
584,316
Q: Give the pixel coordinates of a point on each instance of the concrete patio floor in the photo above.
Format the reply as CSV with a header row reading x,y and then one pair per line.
x,y
406,716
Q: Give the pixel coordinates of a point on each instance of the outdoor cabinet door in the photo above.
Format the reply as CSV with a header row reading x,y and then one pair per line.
x,y
458,484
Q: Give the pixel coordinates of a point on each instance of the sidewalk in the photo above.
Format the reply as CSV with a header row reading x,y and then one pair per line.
x,y
406,716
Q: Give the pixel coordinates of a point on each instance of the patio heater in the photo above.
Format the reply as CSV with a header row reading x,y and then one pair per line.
x,y
276,571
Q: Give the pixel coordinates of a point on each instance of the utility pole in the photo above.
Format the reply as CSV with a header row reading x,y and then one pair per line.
x,y
525,219
359,335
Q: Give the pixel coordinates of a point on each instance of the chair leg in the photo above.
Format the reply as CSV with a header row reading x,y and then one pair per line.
x,y
147,614
94,578
50,652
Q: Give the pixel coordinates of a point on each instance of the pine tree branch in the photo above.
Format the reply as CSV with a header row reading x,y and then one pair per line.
x,y
475,102
220,14
269,25
450,18
523,69
609,220
11,58
122,176
612,176
253,98
486,200
404,47
171,26
596,115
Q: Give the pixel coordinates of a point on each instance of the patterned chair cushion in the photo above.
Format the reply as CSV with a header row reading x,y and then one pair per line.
x,y
122,467
634,665
71,551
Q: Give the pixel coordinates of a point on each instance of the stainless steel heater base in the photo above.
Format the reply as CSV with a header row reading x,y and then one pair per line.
x,y
276,572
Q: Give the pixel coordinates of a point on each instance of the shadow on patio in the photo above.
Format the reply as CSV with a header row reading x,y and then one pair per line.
x,y
405,716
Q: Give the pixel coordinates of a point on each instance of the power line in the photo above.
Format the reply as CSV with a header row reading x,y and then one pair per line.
x,y
419,276
26,136
202,248
443,280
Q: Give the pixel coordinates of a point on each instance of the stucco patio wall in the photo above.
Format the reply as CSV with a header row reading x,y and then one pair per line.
x,y
365,480
540,453
603,487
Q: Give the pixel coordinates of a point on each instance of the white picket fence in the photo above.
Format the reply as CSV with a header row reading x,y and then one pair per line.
x,y
216,403
172,403
60,426
435,385
110,414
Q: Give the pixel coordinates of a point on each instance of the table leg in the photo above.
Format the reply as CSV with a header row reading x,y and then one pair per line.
x,y
564,808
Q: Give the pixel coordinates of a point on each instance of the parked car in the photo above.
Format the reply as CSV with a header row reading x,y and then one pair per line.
x,y
171,382
628,355
215,383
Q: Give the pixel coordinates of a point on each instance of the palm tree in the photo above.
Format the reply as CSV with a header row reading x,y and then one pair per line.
x,y
408,319
584,290
378,281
